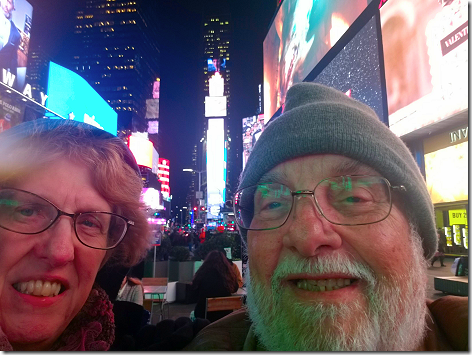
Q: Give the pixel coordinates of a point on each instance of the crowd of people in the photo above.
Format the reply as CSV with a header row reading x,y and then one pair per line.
x,y
338,224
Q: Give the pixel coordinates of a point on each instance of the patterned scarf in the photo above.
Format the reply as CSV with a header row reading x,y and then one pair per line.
x,y
92,329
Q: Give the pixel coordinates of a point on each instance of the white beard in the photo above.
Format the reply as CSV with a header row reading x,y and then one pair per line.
x,y
393,320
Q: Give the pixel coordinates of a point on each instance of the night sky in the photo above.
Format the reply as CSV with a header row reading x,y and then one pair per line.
x,y
179,24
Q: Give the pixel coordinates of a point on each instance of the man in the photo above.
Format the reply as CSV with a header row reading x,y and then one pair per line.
x,y
9,37
339,228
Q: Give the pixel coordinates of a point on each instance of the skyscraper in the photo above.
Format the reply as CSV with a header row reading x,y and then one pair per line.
x,y
117,54
217,35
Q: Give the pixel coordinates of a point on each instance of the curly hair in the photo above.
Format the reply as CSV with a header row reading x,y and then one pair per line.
x,y
216,260
113,178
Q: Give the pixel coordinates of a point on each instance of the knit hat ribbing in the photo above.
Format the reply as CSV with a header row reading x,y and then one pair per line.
x,y
321,120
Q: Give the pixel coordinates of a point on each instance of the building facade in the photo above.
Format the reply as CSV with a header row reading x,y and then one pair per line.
x,y
117,54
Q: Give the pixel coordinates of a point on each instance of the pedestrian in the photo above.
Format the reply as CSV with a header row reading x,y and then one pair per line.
x,y
440,252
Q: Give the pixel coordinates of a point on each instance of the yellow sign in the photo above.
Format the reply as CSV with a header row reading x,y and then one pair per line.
x,y
458,217
447,231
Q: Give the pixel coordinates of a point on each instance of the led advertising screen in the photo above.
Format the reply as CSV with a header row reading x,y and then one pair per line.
x,y
163,174
252,128
15,30
142,150
153,127
216,167
152,109
216,85
215,106
216,64
11,112
425,44
156,88
70,96
355,70
446,162
300,35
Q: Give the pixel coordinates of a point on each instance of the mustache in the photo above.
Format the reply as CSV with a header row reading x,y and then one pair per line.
x,y
292,264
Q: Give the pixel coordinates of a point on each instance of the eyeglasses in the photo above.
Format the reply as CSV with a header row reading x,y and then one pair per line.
x,y
27,213
343,200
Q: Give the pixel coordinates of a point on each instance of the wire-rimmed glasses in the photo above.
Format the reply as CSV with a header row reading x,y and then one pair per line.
x,y
27,213
348,200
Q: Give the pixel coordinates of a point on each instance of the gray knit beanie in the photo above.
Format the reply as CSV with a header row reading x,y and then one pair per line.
x,y
321,120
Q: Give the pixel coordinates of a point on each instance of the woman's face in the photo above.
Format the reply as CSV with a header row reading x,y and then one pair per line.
x,y
56,255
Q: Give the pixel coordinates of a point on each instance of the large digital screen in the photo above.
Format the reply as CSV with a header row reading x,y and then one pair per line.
x,y
216,64
156,88
447,176
355,69
142,149
300,35
216,167
15,31
425,45
70,96
152,109
163,174
252,128
216,85
215,106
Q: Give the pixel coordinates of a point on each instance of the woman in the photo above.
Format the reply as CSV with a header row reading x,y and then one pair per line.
x,y
69,203
131,290
215,278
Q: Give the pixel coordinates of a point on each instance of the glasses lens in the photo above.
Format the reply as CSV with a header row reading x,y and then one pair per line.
x,y
23,212
100,230
354,200
263,206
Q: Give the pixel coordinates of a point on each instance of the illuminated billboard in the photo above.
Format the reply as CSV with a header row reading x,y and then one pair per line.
x,y
70,96
216,167
216,85
300,35
142,150
355,68
252,128
425,45
152,108
215,106
218,64
446,162
15,31
163,174
153,127
156,88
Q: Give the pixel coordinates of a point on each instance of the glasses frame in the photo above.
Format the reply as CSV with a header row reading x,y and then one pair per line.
x,y
391,188
74,217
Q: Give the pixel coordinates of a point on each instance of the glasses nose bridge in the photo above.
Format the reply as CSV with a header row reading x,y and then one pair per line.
x,y
62,213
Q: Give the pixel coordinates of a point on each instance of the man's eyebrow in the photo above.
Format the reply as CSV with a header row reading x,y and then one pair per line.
x,y
351,167
273,176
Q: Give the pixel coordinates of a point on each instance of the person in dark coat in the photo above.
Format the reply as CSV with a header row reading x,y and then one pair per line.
x,y
215,278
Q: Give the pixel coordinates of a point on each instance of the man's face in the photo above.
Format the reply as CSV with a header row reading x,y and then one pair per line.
x,y
379,299
7,8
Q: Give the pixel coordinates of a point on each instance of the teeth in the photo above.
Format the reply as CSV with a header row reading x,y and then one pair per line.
x,y
38,288
323,285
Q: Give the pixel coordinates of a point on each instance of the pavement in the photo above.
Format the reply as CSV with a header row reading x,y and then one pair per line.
x,y
177,309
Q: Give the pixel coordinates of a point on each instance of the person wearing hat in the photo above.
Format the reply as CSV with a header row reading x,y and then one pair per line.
x,y
69,205
339,229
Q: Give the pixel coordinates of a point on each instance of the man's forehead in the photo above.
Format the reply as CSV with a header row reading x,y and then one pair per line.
x,y
329,165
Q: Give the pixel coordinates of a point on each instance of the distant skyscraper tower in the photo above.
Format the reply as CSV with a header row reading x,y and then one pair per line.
x,y
117,54
37,72
217,37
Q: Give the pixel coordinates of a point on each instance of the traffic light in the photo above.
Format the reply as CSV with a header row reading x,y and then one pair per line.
x,y
202,208
195,208
156,214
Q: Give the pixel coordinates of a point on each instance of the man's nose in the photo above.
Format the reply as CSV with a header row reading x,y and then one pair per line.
x,y
309,232
57,245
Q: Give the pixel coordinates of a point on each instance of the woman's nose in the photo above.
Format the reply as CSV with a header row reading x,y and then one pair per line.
x,y
309,232
58,242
